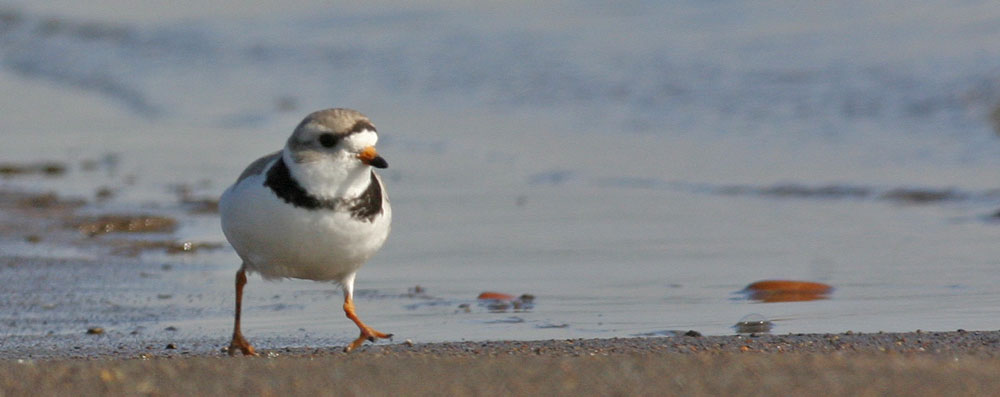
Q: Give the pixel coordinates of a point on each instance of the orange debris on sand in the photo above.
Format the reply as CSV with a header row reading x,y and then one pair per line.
x,y
500,296
787,291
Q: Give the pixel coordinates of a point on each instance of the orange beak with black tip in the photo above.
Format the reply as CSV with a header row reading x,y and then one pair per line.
x,y
370,157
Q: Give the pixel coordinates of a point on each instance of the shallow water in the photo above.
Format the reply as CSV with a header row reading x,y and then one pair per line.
x,y
628,166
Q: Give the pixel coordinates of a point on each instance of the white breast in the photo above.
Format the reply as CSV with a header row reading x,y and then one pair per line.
x,y
279,240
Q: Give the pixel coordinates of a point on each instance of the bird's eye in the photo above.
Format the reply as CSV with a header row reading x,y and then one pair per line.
x,y
327,140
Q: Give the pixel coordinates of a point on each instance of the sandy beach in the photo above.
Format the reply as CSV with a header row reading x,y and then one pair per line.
x,y
949,363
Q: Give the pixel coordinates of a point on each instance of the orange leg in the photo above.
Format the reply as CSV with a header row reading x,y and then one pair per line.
x,y
367,333
239,342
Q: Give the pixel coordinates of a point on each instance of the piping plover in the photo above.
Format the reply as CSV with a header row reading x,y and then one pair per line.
x,y
314,210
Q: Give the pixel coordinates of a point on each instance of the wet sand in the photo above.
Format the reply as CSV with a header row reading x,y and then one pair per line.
x,y
952,363
118,362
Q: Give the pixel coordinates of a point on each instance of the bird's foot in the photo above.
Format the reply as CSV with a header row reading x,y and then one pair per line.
x,y
367,334
240,343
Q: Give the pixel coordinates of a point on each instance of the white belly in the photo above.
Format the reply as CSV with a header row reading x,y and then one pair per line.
x,y
279,240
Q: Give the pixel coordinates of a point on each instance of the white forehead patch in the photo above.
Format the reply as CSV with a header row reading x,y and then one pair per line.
x,y
361,140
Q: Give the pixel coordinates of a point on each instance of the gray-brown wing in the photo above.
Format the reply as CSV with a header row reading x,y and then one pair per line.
x,y
257,167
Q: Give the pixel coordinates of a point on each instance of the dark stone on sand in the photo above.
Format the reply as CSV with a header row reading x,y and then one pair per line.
x,y
95,331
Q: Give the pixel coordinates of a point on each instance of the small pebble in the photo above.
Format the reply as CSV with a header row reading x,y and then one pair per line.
x,y
499,296
95,331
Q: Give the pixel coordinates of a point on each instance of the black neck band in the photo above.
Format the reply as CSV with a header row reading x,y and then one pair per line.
x,y
366,206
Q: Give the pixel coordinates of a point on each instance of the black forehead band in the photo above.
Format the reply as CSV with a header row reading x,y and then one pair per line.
x,y
361,125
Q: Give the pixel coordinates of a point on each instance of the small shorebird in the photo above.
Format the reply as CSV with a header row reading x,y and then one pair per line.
x,y
314,210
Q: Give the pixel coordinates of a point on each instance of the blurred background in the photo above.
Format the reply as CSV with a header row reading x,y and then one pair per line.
x,y
632,165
